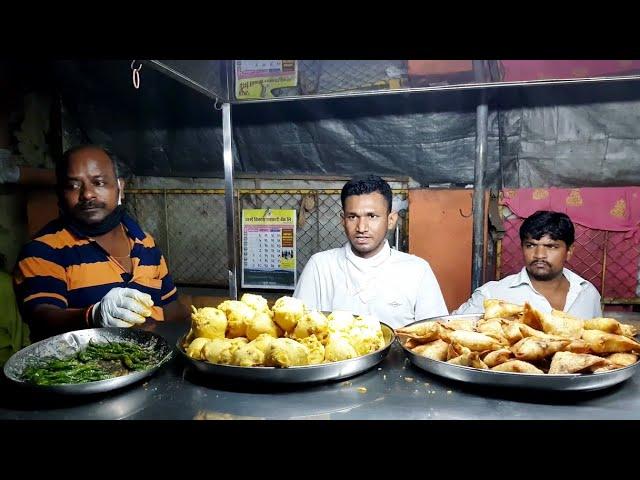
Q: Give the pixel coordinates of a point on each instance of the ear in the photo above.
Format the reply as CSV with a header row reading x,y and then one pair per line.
x,y
570,251
121,188
392,219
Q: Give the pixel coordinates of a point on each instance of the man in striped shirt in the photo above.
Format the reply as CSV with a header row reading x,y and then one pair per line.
x,y
93,266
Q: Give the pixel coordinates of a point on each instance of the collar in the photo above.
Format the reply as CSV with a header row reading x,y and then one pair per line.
x,y
370,262
523,278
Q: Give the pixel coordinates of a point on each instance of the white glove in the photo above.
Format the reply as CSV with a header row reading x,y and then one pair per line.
x,y
122,307
9,171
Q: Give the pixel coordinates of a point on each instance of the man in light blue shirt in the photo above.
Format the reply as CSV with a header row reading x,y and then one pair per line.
x,y
547,243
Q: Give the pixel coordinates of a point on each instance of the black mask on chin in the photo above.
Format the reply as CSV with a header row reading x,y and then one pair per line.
x,y
79,227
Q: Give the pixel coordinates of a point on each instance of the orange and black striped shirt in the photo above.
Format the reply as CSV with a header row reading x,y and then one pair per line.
x,y
62,267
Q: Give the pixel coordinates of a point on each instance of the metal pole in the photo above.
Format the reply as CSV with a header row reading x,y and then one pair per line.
x,y
166,224
228,201
482,115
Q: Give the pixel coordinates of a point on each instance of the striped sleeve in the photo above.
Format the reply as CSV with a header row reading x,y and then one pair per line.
x,y
39,277
168,291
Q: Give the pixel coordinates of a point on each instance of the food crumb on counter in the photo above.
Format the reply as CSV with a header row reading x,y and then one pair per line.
x,y
346,384
408,379
362,389
448,392
384,377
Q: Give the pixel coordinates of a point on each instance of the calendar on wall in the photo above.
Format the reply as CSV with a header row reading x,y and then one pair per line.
x,y
268,248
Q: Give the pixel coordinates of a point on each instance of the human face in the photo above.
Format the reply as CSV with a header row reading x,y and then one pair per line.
x,y
366,220
544,258
90,190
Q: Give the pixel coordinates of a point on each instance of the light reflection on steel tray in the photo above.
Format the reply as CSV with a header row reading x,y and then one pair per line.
x,y
293,375
68,344
562,382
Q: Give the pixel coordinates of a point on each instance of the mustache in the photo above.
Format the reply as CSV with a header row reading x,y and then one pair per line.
x,y
88,205
540,261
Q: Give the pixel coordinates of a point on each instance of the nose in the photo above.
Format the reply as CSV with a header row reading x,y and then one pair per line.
x,y
87,192
539,252
363,224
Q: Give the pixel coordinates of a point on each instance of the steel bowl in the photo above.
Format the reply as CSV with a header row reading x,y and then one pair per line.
x,y
68,344
561,382
323,372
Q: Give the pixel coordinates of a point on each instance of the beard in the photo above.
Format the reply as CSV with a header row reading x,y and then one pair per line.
x,y
542,276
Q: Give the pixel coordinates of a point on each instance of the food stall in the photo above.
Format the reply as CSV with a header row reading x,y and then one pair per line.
x,y
393,389
390,389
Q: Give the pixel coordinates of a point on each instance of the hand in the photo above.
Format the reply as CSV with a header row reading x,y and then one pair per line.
x,y
122,307
9,171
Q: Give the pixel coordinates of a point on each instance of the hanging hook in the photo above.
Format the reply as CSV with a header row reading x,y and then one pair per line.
x,y
216,105
466,216
136,74
470,213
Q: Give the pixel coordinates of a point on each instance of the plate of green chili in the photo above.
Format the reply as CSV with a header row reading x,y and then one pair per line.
x,y
89,361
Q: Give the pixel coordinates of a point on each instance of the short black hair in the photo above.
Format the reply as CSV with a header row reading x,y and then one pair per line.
x,y
361,185
62,165
555,224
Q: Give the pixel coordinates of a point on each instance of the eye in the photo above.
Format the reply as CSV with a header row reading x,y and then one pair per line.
x,y
99,183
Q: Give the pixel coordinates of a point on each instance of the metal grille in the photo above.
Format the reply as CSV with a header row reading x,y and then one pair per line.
x,y
189,226
594,251
208,73
197,238
333,76
328,76
149,210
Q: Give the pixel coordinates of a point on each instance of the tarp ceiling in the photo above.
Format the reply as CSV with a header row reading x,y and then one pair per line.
x,y
569,135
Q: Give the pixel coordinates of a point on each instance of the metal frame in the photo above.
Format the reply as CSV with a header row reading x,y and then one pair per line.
x,y
232,248
481,84
167,70
482,116
477,273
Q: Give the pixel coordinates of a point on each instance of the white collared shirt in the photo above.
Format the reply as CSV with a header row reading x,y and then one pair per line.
x,y
583,299
396,287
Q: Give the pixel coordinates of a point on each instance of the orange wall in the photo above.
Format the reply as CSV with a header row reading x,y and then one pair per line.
x,y
441,231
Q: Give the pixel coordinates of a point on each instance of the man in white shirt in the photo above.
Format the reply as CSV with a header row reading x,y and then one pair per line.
x,y
366,276
547,243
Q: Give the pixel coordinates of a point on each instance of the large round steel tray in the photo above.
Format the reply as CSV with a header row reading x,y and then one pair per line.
x,y
563,382
293,375
67,344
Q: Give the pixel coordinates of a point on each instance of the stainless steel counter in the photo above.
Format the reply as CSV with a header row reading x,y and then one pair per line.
x,y
394,389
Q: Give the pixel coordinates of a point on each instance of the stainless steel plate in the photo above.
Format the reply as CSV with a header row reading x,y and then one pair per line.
x,y
563,382
292,375
68,344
